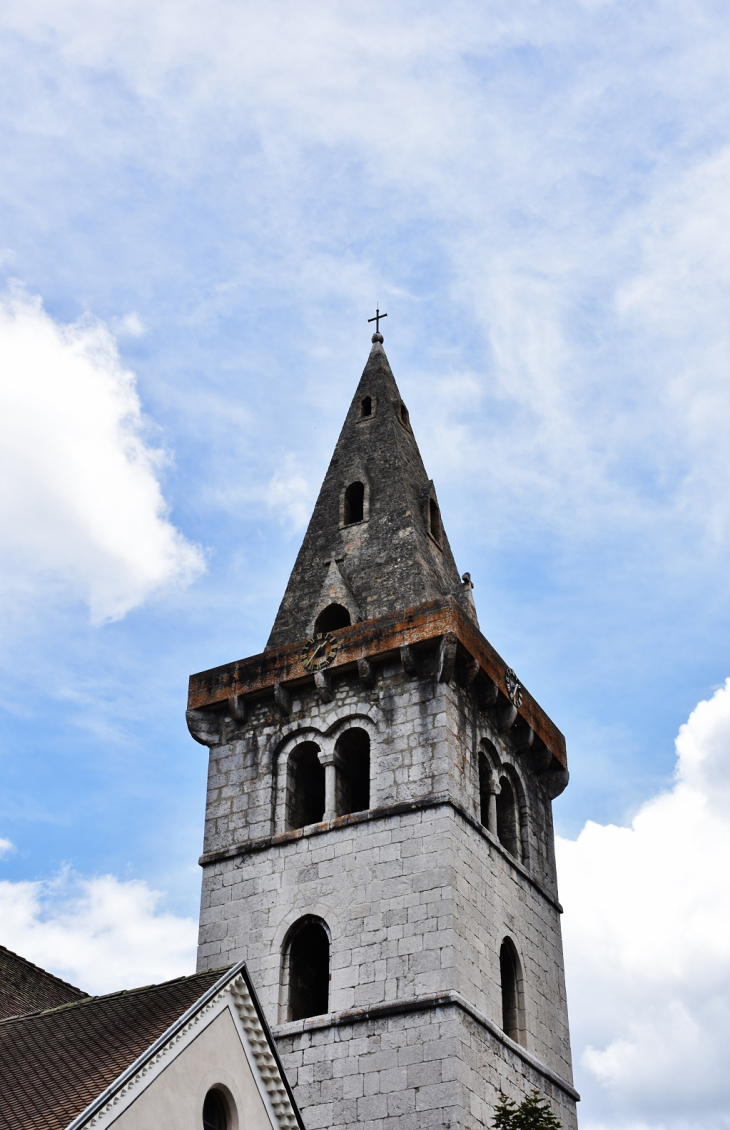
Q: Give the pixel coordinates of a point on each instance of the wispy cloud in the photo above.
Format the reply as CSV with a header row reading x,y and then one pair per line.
x,y
99,933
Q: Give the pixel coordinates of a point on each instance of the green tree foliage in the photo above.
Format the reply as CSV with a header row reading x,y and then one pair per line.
x,y
533,1113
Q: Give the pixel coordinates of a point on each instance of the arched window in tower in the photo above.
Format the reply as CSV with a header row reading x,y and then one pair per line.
x,y
366,406
513,1010
434,521
485,792
307,969
404,417
508,818
305,787
331,618
354,503
353,771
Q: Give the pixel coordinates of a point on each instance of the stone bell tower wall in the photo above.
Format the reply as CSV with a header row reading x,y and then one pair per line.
x,y
417,896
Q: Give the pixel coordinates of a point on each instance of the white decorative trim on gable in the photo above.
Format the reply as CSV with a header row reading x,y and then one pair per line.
x,y
232,992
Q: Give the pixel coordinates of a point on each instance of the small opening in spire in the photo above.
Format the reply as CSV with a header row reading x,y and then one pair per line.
x,y
331,618
404,417
354,503
434,521
366,406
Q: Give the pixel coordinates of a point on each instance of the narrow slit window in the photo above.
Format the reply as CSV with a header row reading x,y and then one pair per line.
x,y
512,993
434,520
366,406
354,503
308,971
305,800
404,417
353,772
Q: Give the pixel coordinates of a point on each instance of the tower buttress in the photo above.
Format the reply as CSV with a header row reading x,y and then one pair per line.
x,y
378,839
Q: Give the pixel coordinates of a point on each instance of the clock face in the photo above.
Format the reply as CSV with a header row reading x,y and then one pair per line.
x,y
319,652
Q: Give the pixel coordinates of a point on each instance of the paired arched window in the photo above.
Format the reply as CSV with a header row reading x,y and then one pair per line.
x,y
353,771
305,787
354,503
508,818
485,791
513,1007
306,969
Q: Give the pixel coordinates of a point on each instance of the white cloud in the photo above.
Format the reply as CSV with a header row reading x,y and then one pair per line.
x,y
7,847
81,507
647,942
100,934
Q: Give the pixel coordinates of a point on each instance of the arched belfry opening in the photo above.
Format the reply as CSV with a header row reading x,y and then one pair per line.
x,y
508,818
305,787
353,771
306,969
331,618
485,792
354,503
513,1008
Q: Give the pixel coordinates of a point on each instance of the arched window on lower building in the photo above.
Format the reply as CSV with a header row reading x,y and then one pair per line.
x,y
305,787
307,969
215,1111
513,1008
331,618
353,771
508,818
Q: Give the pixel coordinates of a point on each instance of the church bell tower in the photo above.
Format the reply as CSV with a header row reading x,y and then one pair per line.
x,y
378,833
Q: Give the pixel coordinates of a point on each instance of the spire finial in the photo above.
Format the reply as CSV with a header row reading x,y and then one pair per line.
x,y
377,336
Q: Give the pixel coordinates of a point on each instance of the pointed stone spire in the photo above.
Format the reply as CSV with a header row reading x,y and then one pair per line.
x,y
375,543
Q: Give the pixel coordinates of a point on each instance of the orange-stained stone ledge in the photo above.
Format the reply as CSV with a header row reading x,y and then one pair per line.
x,y
374,640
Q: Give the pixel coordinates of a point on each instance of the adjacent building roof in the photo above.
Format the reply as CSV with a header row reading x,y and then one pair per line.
x,y
26,988
54,1063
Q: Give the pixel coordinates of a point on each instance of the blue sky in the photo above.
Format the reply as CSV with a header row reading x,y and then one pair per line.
x,y
200,205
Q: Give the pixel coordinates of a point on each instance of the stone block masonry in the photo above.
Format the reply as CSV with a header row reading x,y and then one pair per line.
x,y
378,837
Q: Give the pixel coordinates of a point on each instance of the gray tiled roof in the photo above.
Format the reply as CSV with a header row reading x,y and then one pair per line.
x,y
26,988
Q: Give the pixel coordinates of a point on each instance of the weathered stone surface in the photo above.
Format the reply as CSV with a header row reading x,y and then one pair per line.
x,y
416,893
389,560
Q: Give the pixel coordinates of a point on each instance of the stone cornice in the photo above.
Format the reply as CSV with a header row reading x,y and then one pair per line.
x,y
437,800
377,641
424,1003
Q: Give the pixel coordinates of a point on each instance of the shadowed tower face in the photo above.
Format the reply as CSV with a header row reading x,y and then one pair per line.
x,y
379,839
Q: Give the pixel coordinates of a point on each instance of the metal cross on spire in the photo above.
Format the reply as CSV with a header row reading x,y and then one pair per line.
x,y
377,319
